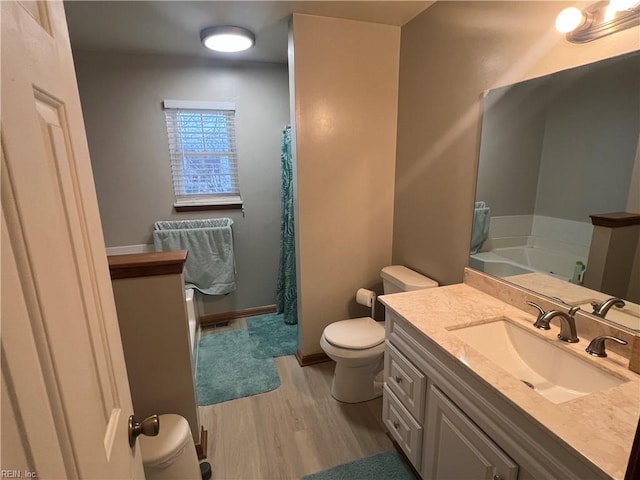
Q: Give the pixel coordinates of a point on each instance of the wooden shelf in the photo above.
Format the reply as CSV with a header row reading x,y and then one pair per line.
x,y
615,219
146,264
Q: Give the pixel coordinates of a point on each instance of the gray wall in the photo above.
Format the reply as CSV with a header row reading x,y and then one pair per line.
x,y
122,98
562,145
511,149
449,55
590,141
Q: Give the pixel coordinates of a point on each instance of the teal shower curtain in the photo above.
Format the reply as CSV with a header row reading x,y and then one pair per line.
x,y
287,292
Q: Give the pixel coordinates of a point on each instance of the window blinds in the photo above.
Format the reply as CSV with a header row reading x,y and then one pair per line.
x,y
202,147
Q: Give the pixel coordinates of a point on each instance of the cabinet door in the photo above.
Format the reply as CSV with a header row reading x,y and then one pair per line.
x,y
456,449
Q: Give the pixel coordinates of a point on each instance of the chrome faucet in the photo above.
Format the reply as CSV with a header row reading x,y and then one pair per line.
x,y
567,322
596,346
601,309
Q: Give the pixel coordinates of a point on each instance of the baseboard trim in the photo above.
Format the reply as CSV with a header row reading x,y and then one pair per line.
x,y
306,360
215,318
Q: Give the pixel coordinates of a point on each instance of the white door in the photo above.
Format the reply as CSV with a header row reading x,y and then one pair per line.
x,y
65,395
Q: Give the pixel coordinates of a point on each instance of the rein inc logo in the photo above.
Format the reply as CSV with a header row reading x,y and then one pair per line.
x,y
18,474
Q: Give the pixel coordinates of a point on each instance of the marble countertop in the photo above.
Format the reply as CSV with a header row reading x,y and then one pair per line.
x,y
554,287
612,413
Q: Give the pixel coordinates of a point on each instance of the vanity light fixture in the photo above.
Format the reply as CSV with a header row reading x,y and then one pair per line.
x,y
598,20
227,38
569,19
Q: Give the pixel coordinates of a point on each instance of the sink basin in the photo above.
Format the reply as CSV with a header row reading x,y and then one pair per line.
x,y
629,316
556,374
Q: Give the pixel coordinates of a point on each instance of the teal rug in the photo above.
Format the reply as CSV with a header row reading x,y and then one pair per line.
x,y
227,369
387,465
271,337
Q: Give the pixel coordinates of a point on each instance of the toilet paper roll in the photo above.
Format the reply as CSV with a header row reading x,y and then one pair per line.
x,y
365,297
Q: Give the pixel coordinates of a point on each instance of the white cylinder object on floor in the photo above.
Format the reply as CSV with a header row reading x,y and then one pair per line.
x,y
171,455
365,297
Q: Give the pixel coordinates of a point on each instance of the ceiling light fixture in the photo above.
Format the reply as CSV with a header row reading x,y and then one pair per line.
x,y
598,20
227,38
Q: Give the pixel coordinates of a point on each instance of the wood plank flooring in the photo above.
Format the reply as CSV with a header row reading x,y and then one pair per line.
x,y
292,431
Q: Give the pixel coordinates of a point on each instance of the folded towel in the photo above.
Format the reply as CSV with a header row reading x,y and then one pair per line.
x,y
210,265
480,230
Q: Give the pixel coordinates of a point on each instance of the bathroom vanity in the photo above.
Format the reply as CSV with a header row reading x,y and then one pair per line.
x,y
463,411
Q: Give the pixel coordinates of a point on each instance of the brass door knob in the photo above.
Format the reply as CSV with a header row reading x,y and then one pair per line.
x,y
150,427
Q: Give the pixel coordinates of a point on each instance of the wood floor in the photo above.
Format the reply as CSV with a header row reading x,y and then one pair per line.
x,y
292,431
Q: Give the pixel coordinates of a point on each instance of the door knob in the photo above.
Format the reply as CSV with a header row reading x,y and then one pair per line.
x,y
150,427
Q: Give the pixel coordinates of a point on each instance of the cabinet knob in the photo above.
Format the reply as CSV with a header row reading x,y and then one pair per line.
x,y
497,477
396,425
398,379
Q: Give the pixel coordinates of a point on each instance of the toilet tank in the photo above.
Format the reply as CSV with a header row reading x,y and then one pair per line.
x,y
398,278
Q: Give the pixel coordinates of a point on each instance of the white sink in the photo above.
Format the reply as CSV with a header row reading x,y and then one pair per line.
x,y
556,374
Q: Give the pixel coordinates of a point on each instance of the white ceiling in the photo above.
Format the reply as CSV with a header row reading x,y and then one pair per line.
x,y
172,27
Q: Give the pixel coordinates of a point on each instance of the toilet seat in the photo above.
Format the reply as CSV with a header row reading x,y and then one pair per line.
x,y
355,333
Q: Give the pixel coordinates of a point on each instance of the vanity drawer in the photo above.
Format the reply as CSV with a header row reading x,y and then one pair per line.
x,y
403,338
405,380
402,426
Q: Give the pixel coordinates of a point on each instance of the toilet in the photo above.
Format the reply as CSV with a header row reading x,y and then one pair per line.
x,y
357,344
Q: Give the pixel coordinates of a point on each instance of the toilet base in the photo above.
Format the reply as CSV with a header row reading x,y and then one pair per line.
x,y
356,384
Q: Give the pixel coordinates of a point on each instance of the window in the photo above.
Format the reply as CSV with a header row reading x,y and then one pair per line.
x,y
202,147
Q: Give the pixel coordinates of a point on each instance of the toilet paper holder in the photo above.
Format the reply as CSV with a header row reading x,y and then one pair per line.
x,y
368,299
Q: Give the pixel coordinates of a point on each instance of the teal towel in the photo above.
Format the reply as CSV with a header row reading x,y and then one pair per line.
x,y
210,265
480,231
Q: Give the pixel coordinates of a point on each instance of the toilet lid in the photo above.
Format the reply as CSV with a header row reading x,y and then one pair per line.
x,y
355,333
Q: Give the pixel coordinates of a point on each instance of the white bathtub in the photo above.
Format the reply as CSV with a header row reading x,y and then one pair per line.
x,y
193,321
507,261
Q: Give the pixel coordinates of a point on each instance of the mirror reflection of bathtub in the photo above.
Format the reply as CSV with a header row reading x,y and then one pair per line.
x,y
555,150
508,261
533,243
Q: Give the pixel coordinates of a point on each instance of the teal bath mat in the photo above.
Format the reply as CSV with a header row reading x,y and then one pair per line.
x,y
387,465
271,337
228,370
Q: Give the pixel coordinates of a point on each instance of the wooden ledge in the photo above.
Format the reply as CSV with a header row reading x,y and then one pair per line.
x,y
205,208
224,317
146,264
615,219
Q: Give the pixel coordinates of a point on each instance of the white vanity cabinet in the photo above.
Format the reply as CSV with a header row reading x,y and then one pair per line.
x,y
452,425
456,448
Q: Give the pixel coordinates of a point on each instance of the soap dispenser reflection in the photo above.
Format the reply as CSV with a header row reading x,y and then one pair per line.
x,y
578,273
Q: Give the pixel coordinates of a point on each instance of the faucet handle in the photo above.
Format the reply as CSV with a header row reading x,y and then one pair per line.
x,y
572,311
538,307
596,346
539,323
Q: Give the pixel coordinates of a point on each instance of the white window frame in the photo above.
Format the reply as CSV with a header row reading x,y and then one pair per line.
x,y
177,155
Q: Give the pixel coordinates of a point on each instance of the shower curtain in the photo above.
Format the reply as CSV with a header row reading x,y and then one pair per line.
x,y
287,292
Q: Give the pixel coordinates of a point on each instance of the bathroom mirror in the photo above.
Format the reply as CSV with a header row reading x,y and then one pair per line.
x,y
553,151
